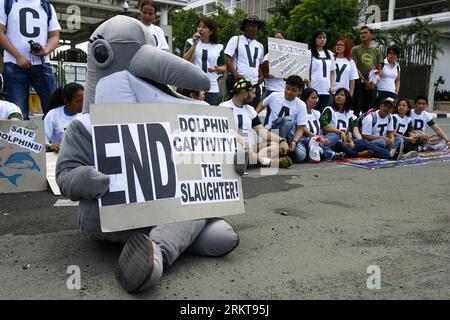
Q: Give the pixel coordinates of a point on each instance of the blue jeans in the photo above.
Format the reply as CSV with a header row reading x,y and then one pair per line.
x,y
299,154
212,98
333,138
284,126
18,81
380,149
360,145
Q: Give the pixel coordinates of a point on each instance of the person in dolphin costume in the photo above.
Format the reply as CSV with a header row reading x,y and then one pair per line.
x,y
124,66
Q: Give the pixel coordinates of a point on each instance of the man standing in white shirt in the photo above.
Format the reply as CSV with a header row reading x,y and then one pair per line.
x,y
29,32
244,55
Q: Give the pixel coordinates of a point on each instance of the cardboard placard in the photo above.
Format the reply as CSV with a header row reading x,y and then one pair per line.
x,y
288,58
22,156
166,163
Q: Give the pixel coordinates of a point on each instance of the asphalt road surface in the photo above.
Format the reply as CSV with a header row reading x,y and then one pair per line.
x,y
309,232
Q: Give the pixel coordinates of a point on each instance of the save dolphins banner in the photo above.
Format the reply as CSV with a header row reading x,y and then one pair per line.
x,y
22,156
287,58
166,163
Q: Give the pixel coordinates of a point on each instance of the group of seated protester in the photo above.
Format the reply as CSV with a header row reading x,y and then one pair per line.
x,y
294,131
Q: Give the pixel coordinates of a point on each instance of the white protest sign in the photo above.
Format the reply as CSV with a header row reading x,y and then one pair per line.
x,y
166,163
51,158
287,58
22,156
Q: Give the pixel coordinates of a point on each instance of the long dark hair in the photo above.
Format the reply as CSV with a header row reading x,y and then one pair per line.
x,y
307,93
348,100
314,51
408,113
63,94
212,25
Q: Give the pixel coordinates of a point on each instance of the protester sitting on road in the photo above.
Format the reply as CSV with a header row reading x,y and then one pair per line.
x,y
403,126
420,118
272,83
204,51
287,114
378,131
147,15
339,120
313,138
273,152
65,104
8,110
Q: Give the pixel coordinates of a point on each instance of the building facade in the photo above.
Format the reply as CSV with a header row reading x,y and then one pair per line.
x,y
253,7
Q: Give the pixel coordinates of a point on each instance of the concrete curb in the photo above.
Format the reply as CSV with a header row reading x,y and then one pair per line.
x,y
440,115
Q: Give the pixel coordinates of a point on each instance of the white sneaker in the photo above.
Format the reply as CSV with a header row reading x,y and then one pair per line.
x,y
314,150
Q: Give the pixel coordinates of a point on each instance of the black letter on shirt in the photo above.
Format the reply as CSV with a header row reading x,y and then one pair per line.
x,y
205,61
251,62
23,22
339,72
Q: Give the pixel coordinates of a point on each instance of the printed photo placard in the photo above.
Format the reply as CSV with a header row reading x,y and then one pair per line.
x,y
22,156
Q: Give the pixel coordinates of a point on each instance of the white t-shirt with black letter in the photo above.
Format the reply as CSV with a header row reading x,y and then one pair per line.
x,y
27,21
419,120
158,34
245,118
277,106
250,56
314,122
381,127
320,71
345,72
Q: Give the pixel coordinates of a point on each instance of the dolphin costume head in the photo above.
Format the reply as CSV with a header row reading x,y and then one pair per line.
x,y
124,66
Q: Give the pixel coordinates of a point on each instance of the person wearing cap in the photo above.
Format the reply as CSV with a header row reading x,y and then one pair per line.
x,y
247,123
8,110
378,131
245,55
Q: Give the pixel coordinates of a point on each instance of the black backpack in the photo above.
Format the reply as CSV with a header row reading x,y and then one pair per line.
x,y
44,3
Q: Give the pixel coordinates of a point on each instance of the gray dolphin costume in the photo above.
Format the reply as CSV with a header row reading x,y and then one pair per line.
x,y
125,67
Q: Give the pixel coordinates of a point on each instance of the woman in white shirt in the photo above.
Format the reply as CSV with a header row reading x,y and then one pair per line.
x,y
65,104
389,84
346,71
204,51
321,67
147,15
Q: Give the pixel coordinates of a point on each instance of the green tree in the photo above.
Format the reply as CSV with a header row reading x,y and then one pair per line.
x,y
336,17
281,17
184,25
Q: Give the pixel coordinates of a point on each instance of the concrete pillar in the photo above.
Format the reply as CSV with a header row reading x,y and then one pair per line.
x,y
391,10
164,15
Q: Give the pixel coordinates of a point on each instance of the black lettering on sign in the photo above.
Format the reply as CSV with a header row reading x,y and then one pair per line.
x,y
419,124
157,135
23,22
133,163
381,127
108,165
342,125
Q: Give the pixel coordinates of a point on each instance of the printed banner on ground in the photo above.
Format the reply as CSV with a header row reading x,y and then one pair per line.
x,y
287,58
22,156
166,163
